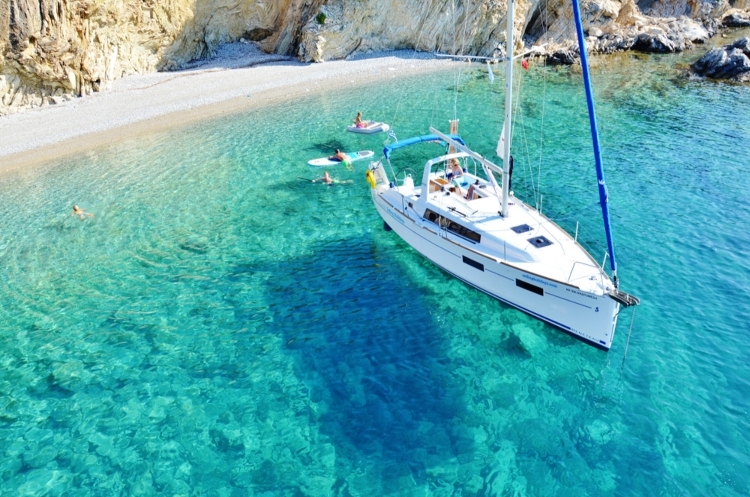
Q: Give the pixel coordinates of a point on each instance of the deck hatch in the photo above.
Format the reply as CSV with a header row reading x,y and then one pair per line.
x,y
473,263
539,241
522,228
528,286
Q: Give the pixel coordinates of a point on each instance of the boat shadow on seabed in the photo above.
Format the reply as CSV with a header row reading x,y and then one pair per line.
x,y
361,344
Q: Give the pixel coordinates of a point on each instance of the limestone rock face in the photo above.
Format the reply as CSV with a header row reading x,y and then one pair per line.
x,y
52,50
427,25
613,26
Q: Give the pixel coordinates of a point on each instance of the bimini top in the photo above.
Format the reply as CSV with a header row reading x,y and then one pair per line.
x,y
417,139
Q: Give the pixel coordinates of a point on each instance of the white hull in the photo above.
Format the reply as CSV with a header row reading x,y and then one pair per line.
x,y
588,316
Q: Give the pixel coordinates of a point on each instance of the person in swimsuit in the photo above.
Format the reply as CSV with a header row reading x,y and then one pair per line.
x,y
77,211
358,122
455,169
339,156
325,179
330,181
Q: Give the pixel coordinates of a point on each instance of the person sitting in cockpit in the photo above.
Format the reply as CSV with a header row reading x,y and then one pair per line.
x,y
455,169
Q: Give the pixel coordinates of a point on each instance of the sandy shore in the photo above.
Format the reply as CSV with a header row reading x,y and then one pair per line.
x,y
239,78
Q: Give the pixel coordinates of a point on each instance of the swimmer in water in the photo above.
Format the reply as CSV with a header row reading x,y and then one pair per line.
x,y
77,211
330,181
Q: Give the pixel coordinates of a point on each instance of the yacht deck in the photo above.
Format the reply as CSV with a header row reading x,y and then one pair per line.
x,y
525,239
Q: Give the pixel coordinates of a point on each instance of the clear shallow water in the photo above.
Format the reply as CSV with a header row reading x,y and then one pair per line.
x,y
222,327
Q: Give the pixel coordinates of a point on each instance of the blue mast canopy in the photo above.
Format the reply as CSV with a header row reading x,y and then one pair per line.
x,y
417,139
603,196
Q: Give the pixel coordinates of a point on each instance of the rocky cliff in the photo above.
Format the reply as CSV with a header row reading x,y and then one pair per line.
x,y
51,50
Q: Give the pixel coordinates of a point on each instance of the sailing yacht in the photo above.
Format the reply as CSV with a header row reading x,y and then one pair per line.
x,y
475,229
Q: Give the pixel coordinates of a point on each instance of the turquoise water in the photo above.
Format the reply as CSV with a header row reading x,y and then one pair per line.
x,y
223,327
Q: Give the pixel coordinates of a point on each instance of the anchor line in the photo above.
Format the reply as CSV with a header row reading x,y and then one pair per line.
x,y
627,343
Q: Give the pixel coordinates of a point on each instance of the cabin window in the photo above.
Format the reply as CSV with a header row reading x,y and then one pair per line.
x,y
528,286
431,216
452,226
473,263
464,231
435,218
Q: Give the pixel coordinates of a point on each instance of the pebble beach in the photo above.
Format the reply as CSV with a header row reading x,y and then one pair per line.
x,y
239,77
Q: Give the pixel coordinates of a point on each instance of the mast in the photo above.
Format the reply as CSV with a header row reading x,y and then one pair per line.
x,y
507,131
603,196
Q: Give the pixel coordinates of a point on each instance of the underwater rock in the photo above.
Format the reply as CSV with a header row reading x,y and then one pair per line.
x,y
45,482
533,341
729,62
40,456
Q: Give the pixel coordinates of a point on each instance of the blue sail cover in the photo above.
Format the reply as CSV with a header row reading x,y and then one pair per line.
x,y
417,139
603,197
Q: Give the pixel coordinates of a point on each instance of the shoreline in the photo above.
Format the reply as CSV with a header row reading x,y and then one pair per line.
x,y
157,102
240,77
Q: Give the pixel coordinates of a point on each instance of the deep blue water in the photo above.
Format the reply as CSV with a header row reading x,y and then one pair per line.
x,y
223,327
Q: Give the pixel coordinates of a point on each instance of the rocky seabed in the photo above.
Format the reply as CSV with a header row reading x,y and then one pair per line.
x,y
55,50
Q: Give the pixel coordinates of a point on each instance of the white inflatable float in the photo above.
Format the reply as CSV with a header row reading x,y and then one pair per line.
x,y
369,128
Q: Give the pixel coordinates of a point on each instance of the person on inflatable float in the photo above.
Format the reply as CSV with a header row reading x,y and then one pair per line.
x,y
358,122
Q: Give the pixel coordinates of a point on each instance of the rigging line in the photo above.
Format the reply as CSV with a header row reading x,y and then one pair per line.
x,y
530,177
456,74
461,52
517,103
436,90
453,18
590,242
627,343
518,116
518,93
541,137
467,9
457,78
544,101
403,87
576,213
